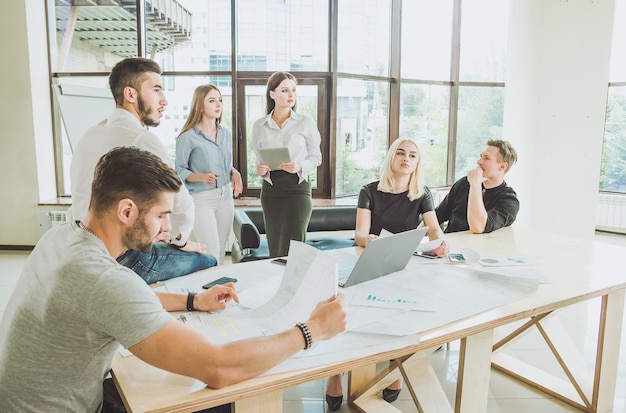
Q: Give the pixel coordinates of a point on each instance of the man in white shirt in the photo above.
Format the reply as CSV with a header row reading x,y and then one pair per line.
x,y
138,91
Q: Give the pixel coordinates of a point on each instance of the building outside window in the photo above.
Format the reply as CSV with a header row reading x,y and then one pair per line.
x,y
351,67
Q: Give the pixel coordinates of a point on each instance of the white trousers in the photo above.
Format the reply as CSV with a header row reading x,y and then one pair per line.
x,y
214,219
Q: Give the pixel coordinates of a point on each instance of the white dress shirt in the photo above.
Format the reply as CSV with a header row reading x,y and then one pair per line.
x,y
122,128
299,134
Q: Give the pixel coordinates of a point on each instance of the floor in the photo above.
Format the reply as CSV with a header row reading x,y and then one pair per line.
x,y
505,396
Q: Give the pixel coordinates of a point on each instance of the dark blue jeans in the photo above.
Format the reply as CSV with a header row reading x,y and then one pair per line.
x,y
164,262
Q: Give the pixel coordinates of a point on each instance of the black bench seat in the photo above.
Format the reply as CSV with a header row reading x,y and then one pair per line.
x,y
249,229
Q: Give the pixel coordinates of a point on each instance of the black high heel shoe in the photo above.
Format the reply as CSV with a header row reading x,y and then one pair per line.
x,y
334,402
391,396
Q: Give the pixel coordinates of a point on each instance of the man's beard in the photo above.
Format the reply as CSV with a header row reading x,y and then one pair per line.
x,y
138,237
145,114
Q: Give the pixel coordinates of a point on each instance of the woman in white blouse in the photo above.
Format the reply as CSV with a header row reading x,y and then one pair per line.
x,y
286,191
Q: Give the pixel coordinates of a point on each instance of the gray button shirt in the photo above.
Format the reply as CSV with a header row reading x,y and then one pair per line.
x,y
198,153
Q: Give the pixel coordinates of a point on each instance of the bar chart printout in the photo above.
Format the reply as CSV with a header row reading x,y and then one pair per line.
x,y
395,302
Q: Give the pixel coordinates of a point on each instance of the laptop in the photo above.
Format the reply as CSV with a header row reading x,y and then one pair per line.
x,y
381,256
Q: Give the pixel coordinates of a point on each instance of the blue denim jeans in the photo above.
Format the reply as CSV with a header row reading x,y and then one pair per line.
x,y
164,262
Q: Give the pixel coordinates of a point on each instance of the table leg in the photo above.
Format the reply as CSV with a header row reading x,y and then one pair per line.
x,y
607,356
359,378
472,391
420,381
586,389
266,402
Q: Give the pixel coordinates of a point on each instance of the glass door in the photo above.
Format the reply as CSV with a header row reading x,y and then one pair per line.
x,y
311,101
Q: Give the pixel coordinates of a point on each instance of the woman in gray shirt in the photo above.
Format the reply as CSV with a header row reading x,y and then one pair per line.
x,y
204,153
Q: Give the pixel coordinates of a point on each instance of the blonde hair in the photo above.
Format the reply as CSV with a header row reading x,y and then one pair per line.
x,y
416,180
197,105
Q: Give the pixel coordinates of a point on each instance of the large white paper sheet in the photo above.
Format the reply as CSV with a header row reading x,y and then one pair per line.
x,y
446,293
309,277
430,296
354,345
521,272
427,246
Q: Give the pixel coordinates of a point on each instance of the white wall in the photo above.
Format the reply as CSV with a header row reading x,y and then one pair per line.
x,y
24,120
556,88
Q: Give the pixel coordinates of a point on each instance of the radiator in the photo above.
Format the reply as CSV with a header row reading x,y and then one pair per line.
x,y
47,220
611,213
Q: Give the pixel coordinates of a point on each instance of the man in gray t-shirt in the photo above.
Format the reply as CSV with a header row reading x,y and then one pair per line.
x,y
74,304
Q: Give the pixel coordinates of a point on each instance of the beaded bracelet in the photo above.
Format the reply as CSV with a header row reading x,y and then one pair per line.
x,y
306,333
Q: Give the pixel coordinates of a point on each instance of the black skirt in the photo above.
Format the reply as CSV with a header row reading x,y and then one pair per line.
x,y
287,209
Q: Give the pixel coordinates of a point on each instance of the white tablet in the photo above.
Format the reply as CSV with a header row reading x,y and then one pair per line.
x,y
273,157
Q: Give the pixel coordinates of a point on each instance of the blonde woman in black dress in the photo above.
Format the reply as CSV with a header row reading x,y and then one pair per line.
x,y
396,203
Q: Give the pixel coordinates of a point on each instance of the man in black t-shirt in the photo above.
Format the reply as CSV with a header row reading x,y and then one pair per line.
x,y
482,201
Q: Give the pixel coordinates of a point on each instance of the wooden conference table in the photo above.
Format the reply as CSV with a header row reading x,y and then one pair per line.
x,y
579,270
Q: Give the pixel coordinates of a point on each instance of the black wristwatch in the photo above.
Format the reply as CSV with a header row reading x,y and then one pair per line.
x,y
190,298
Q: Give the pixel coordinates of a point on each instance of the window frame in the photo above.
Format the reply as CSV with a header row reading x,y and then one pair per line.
x,y
327,98
240,139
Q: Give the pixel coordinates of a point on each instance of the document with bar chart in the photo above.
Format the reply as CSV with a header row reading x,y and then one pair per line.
x,y
395,300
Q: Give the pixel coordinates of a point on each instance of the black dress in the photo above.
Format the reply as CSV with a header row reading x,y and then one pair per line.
x,y
287,207
393,212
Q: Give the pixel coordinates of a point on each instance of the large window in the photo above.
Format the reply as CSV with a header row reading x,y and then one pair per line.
x,y
283,35
452,86
479,119
613,170
363,37
435,75
427,39
424,116
362,133
483,40
252,101
362,92
205,46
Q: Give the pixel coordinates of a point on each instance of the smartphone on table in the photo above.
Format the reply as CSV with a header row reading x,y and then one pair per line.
x,y
456,258
425,254
279,261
